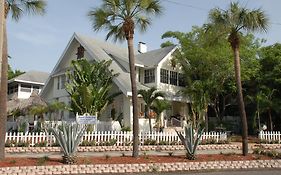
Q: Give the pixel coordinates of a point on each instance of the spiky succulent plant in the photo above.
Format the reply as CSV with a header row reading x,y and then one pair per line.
x,y
190,140
68,136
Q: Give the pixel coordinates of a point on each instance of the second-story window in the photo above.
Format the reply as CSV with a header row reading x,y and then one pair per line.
x,y
58,82
149,76
182,81
164,76
173,78
63,80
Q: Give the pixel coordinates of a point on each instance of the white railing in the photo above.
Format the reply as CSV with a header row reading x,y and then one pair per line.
x,y
119,138
270,136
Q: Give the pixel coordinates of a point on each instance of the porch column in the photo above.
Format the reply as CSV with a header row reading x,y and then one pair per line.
x,y
127,112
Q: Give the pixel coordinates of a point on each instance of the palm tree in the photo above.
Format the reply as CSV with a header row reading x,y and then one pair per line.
x,y
17,8
120,18
149,96
232,22
159,106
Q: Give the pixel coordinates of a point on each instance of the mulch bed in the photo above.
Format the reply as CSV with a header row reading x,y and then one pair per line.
x,y
15,161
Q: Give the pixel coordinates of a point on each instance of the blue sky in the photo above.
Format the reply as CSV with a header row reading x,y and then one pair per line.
x,y
37,42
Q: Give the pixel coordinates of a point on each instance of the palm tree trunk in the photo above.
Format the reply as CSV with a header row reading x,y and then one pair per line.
x,y
3,91
149,121
240,100
134,97
270,120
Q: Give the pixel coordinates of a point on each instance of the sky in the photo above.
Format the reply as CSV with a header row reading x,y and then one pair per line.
x,y
37,42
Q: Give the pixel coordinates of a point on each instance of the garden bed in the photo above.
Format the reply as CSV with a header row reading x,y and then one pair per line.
x,y
15,161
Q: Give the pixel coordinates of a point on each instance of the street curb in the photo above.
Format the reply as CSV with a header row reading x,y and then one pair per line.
x,y
136,168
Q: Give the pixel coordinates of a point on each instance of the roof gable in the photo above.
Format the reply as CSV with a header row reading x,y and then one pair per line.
x,y
32,77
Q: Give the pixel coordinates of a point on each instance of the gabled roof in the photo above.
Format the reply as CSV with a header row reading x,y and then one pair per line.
x,y
152,58
101,50
35,77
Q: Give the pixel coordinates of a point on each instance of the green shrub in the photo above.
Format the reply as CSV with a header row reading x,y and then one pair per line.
x,y
126,128
111,142
41,144
150,142
10,143
22,144
162,142
88,143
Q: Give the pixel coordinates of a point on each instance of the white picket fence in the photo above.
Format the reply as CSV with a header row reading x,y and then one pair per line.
x,y
270,136
121,138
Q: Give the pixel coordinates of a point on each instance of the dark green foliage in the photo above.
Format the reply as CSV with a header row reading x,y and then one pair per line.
x,y
12,74
41,144
89,86
150,142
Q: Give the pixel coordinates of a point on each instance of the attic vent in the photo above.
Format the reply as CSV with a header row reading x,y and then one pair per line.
x,y
80,52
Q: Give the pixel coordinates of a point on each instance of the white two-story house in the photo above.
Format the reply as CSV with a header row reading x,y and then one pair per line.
x,y
153,68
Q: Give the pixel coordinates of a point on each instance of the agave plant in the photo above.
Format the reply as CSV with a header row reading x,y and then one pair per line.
x,y
191,140
68,135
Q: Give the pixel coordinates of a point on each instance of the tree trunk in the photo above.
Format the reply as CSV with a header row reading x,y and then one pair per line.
x,y
149,121
240,100
3,91
270,120
147,110
134,97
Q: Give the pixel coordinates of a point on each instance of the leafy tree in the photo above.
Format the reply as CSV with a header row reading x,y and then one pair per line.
x,y
149,96
120,18
89,86
16,8
269,83
12,74
207,70
232,22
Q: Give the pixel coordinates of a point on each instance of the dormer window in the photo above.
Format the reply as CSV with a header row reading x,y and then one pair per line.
x,y
149,76
80,52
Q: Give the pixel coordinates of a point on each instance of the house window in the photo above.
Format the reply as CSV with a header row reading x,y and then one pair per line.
x,y
13,89
58,82
164,76
173,78
80,52
182,82
25,88
63,80
149,76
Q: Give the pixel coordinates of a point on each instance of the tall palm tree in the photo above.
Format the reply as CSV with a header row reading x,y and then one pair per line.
x,y
149,96
120,18
17,8
232,22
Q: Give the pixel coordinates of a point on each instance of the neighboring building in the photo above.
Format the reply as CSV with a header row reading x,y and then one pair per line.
x,y
153,68
23,85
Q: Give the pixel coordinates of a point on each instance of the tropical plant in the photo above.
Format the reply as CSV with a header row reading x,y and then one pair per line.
x,y
190,140
120,18
149,96
159,106
89,86
54,108
232,22
69,136
17,8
